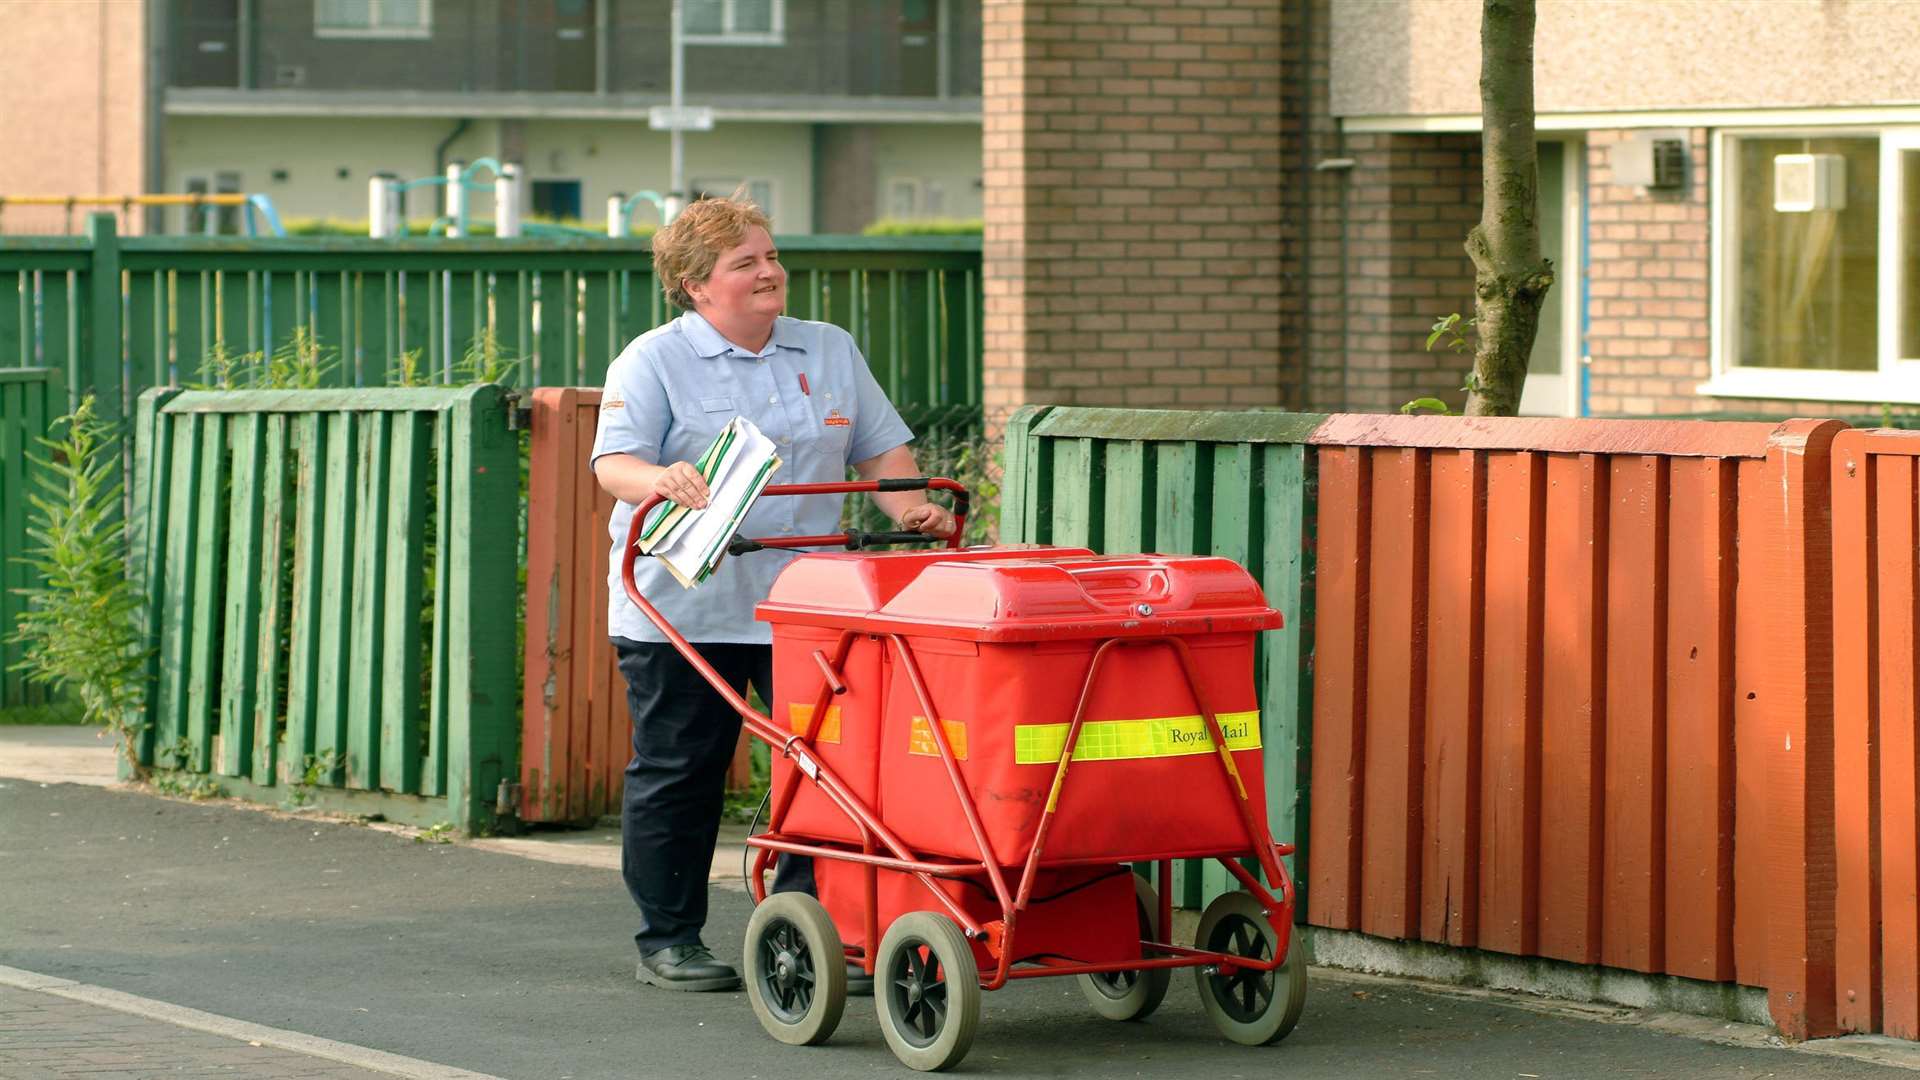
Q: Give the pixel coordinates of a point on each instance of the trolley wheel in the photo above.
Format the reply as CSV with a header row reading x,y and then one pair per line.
x,y
1131,995
927,991
796,970
1250,1007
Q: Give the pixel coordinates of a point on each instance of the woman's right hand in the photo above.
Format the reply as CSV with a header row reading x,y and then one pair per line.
x,y
682,483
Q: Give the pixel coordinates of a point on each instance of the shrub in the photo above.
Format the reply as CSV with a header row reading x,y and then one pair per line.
x,y
81,628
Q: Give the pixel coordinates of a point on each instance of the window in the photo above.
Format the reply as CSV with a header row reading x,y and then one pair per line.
x,y
1817,295
760,191
734,22
903,199
372,18
557,200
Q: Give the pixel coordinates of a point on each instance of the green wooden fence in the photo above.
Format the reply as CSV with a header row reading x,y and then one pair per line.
x,y
30,399
120,314
331,594
1239,485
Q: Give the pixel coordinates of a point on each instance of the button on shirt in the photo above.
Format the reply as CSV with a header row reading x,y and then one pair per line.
x,y
668,395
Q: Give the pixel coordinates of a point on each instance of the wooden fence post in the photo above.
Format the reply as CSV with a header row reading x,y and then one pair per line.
x,y
481,598
1797,693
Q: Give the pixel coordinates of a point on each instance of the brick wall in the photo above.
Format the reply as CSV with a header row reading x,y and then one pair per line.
x,y
1408,205
1133,174
1648,259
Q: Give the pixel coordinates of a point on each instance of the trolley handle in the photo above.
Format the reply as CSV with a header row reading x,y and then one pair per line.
x,y
854,541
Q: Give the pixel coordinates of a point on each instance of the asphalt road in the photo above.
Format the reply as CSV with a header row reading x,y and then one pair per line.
x,y
524,969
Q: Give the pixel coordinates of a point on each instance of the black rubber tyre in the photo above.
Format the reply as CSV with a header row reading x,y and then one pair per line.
x,y
1253,1008
926,988
1131,995
796,972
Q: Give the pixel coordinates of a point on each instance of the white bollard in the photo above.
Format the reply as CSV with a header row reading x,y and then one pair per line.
x,y
506,201
617,215
380,203
456,198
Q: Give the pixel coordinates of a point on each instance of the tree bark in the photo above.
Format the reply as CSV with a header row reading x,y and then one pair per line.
x,y
1511,278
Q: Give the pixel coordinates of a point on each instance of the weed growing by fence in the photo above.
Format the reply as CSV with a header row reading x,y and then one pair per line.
x,y
300,363
81,627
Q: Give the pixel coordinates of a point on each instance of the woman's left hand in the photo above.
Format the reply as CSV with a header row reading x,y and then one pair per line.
x,y
928,519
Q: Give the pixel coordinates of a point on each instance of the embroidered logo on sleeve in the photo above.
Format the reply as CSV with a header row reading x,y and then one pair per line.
x,y
834,419
614,401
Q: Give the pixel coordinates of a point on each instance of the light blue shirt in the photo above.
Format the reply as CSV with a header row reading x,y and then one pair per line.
x,y
668,395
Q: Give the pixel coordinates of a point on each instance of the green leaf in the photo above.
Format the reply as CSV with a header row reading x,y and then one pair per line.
x,y
1432,404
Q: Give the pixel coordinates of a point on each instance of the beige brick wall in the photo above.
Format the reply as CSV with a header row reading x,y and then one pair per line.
x,y
74,83
1133,175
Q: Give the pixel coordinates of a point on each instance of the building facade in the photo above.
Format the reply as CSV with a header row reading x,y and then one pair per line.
x,y
1263,202
832,112
1726,191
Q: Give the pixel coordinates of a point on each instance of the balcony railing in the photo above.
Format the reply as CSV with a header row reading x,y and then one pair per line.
x,y
629,57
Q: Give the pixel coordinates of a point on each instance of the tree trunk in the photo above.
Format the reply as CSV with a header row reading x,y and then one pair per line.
x,y
1510,277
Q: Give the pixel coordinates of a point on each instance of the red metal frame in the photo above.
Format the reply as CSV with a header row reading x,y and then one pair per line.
x,y
998,936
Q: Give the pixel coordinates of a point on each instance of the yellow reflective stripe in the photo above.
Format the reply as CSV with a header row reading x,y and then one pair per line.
x,y
920,738
799,716
1121,740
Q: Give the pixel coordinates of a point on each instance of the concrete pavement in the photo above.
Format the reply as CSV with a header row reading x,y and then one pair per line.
x,y
168,919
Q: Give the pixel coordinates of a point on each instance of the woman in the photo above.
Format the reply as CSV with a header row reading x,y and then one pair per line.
x,y
805,386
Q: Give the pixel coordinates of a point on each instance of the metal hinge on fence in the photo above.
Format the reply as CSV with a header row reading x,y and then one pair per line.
x,y
519,413
507,800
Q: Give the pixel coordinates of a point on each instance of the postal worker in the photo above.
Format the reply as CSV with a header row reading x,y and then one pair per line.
x,y
731,353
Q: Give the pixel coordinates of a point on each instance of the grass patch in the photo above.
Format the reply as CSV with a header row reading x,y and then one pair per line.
x,y
57,712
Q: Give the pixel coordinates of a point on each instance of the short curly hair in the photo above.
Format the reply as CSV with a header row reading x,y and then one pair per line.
x,y
687,249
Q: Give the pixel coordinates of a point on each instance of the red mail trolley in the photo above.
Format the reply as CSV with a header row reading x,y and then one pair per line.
x,y
974,744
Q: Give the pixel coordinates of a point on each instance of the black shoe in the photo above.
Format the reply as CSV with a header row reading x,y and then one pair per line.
x,y
859,983
686,967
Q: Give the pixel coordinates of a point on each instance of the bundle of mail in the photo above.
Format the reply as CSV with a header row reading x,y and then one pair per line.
x,y
691,542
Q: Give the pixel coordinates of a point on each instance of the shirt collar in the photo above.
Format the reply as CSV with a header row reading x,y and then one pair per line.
x,y
708,342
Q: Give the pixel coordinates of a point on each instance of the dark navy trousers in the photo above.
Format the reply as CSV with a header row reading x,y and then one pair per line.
x,y
684,734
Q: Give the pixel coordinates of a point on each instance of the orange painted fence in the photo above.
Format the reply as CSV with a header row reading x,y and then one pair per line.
x,y
1876,611
1569,698
575,739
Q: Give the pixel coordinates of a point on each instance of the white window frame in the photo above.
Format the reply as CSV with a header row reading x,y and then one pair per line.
x,y
730,36
424,30
1897,380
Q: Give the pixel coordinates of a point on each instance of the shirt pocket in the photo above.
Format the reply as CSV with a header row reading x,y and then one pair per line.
x,y
718,405
832,430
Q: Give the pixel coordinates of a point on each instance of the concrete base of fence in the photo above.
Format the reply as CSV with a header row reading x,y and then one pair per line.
x,y
1535,975
416,810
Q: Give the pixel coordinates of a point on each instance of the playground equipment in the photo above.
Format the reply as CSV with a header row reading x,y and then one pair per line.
x,y
386,199
259,209
620,210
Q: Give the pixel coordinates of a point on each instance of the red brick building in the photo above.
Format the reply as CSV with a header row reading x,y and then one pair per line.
x,y
1224,203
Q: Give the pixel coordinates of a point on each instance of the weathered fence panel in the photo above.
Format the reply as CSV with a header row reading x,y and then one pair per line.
x,y
330,581
1876,610
1240,485
1533,741
30,400
557,310
577,736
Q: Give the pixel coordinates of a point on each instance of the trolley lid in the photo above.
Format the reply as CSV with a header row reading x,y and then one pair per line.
x,y
839,588
1014,595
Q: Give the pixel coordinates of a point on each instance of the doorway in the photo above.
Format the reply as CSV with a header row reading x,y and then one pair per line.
x,y
1553,370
